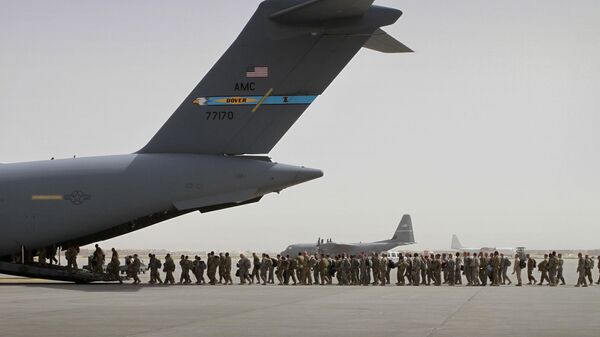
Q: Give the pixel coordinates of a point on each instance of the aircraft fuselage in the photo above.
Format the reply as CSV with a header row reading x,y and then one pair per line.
x,y
52,202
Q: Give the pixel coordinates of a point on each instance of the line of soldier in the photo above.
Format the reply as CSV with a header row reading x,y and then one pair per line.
x,y
479,269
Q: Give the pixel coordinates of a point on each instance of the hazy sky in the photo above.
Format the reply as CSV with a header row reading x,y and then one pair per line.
x,y
490,130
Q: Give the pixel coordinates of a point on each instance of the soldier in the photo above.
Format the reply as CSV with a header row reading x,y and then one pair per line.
x,y
227,269
271,278
496,269
71,256
244,265
265,264
409,263
483,267
543,269
300,268
345,270
383,269
475,271
357,270
416,270
505,264
292,270
444,261
458,269
559,270
156,269
255,269
517,270
552,266
221,268
401,270
184,278
215,264
286,270
589,265
467,268
531,264
598,269
429,270
169,268
279,270
307,269
136,264
581,282
324,269
376,265
114,266
200,267
451,266
317,270
98,259
151,267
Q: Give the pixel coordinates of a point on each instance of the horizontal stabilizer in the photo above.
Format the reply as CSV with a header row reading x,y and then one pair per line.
x,y
383,42
322,10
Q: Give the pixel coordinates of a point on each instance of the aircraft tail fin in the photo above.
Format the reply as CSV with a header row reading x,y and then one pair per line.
x,y
455,243
287,55
404,233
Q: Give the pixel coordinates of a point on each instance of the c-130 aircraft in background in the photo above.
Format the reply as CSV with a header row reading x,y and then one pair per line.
x,y
210,154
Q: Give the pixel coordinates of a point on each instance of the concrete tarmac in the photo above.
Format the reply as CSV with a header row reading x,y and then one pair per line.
x,y
62,310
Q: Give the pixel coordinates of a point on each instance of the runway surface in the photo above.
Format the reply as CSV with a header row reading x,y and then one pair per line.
x,y
112,310
41,308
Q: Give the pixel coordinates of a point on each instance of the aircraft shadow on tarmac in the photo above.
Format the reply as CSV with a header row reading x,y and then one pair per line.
x,y
91,288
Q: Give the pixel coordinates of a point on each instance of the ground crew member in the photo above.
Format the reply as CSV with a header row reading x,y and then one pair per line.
x,y
517,270
169,268
581,282
531,264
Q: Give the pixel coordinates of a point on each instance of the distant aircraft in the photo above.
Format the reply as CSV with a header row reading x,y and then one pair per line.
x,y
456,245
211,153
402,236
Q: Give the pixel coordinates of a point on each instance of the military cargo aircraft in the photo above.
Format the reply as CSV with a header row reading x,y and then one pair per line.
x,y
456,245
402,236
211,153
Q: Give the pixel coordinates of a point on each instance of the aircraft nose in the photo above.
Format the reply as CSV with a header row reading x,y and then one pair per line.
x,y
306,174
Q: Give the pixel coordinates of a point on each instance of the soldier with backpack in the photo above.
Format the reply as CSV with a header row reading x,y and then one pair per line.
x,y
505,263
531,264
169,269
519,265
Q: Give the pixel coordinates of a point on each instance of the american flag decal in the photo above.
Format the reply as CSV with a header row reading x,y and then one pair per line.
x,y
257,72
